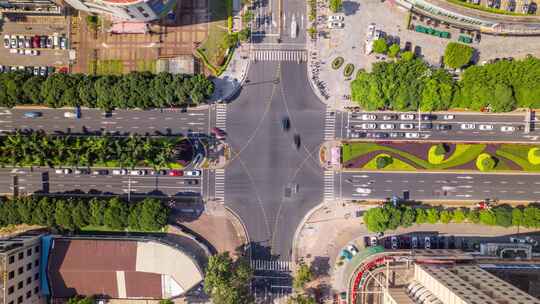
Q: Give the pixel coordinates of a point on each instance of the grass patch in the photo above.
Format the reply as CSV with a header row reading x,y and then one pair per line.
x,y
518,154
396,165
106,67
484,8
146,65
213,47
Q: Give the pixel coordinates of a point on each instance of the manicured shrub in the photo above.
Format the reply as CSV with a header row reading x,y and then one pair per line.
x,y
432,215
446,216
380,46
457,55
534,156
349,69
485,162
436,154
383,161
337,62
407,56
393,50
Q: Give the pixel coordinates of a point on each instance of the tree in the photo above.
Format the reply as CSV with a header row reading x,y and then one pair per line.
x,y
517,217
503,216
534,156
81,300
80,214
473,216
166,301
393,50
335,5
421,216
63,215
376,219
303,276
115,214
485,162
436,154
380,46
487,217
432,215
531,217
383,161
97,208
407,56
458,215
408,216
227,281
446,216
457,55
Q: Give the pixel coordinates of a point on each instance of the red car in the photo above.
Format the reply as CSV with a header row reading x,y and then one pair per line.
x,y
218,133
176,173
35,41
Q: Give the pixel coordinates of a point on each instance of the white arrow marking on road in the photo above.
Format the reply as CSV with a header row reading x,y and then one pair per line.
x,y
5,112
361,176
196,114
5,121
108,122
464,177
195,123
466,186
463,195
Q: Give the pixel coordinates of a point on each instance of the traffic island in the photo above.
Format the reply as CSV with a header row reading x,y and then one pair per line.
x,y
426,156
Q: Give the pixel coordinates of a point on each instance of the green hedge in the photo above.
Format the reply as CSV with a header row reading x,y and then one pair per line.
x,y
457,55
388,217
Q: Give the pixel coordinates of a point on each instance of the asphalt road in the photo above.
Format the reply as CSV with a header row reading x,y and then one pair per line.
x,y
46,181
166,121
350,123
266,165
443,186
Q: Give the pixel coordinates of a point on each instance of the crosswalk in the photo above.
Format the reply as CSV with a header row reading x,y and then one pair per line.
x,y
329,125
328,194
266,265
279,55
219,187
221,116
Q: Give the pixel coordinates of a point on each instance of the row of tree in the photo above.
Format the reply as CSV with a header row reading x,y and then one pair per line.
x,y
40,149
134,90
389,217
227,281
410,84
72,214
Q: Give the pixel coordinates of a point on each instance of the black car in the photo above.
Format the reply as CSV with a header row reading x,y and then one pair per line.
x,y
297,141
443,127
442,242
377,135
285,123
429,117
101,172
43,41
397,134
451,242
408,46
426,126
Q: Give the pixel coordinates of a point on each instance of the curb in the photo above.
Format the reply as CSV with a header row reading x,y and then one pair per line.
x,y
243,228
441,172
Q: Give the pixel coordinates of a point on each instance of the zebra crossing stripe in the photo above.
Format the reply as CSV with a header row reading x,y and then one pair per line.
x,y
279,55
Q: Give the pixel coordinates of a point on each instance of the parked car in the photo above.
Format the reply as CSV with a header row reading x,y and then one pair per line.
x,y
389,117
508,129
192,173
368,117
373,241
352,249
218,133
406,126
175,173
63,43
406,116
334,18
27,42
43,71
137,172
395,244
377,135
397,134
32,114
35,42
368,126
13,42
427,242
467,126
100,172
387,126
428,117
448,116
20,42
285,124
412,135
43,41
36,71
6,41
49,42
485,127
443,127
191,182
426,126
336,25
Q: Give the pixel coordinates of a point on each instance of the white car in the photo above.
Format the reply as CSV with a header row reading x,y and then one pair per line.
x,y
427,242
335,18
69,115
192,173
467,126
62,171
373,241
412,135
363,190
368,117
448,117
508,129
406,116
414,242
136,172
485,127
395,243
406,126
387,126
336,25
352,249
369,126
119,172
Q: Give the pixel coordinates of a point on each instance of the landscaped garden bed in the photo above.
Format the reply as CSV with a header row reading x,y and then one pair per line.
x,y
416,156
337,62
349,69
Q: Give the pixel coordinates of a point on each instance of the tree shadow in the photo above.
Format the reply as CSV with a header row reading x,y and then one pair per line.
x,y
320,266
350,7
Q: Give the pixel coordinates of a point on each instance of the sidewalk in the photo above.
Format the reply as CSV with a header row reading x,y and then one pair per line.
x,y
228,83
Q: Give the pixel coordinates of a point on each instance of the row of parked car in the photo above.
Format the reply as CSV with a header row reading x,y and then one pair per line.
x,y
36,42
35,70
134,172
404,116
410,135
413,242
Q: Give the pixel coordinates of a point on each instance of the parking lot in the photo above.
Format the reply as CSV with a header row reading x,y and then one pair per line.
x,y
349,42
35,38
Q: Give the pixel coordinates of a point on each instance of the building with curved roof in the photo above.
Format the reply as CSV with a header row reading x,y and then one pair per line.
x,y
119,269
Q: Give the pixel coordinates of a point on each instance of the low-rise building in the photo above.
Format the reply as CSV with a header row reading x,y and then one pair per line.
x,y
128,10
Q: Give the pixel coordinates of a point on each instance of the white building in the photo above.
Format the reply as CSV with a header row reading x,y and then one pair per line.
x,y
128,10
